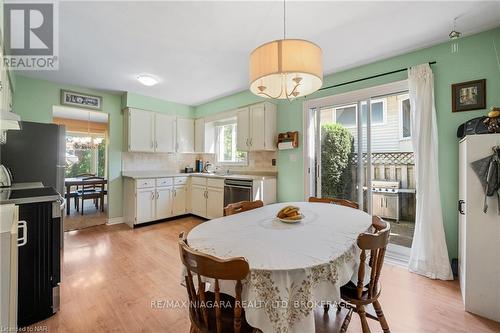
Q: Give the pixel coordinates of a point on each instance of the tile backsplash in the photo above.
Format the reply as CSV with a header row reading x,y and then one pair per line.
x,y
175,162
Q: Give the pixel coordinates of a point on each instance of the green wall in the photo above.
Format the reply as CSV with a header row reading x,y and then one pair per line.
x,y
476,59
133,100
33,101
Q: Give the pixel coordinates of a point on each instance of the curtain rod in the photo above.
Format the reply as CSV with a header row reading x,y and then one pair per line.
x,y
369,77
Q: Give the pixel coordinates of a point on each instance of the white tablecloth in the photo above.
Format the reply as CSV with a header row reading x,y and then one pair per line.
x,y
293,267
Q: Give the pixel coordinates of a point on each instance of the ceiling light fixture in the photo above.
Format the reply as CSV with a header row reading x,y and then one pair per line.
x,y
147,80
286,68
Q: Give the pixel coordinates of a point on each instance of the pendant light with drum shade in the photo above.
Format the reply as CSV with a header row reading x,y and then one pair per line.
x,y
286,68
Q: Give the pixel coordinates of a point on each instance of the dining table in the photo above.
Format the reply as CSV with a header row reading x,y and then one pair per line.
x,y
79,181
294,267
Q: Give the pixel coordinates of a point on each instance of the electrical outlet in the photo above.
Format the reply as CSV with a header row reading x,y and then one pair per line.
x,y
273,162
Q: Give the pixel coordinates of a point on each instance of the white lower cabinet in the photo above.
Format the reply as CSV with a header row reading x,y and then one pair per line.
x,y
179,204
215,202
207,197
147,200
145,205
163,202
198,200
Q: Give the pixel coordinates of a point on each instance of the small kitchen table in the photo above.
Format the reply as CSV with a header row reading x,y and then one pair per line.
x,y
69,182
293,267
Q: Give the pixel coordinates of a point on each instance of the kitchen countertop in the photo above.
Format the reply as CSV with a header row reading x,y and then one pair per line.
x,y
28,195
165,174
20,186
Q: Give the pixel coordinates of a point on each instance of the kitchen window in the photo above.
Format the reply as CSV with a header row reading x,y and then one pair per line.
x,y
225,149
404,117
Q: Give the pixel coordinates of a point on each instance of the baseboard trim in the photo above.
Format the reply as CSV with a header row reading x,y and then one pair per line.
x,y
397,255
115,220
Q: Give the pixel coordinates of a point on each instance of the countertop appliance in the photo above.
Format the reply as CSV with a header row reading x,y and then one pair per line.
x,y
5,176
36,153
39,262
478,232
236,190
386,199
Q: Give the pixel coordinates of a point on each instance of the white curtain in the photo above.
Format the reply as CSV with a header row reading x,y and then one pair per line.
x,y
429,255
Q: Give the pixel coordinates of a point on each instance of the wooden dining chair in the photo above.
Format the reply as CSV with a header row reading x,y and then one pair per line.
x,y
335,201
242,206
355,298
92,191
216,319
74,194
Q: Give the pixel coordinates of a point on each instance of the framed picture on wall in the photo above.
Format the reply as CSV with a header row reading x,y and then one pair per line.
x,y
469,95
72,98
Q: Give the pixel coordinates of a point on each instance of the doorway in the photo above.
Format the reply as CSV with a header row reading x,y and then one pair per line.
x,y
86,170
358,147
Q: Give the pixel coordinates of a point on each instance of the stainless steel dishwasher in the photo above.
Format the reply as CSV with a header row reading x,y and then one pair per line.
x,y
236,190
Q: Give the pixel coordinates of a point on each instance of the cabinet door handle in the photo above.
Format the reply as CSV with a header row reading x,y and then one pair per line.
x,y
23,240
156,144
152,144
251,141
461,207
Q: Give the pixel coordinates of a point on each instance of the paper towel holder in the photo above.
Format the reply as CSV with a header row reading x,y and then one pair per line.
x,y
288,140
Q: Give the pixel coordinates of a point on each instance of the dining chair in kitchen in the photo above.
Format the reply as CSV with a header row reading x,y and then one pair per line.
x,y
242,206
227,314
93,190
74,194
355,298
335,201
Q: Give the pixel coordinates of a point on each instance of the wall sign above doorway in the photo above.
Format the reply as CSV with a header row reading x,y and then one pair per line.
x,y
80,100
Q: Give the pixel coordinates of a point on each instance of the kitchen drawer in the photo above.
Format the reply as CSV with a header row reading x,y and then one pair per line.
x,y
199,181
215,183
143,183
180,180
164,182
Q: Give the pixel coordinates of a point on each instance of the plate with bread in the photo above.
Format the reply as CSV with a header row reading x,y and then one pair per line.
x,y
290,214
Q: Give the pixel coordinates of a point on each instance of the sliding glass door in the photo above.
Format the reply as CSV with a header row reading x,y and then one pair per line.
x,y
358,147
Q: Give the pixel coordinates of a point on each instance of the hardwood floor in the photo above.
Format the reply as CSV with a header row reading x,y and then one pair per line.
x,y
112,274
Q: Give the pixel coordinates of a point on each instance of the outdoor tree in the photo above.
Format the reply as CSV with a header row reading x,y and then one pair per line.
x,y
337,149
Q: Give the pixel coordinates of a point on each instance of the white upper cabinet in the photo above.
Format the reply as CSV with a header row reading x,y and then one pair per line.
x,y
140,126
199,135
165,136
243,129
256,126
157,132
185,135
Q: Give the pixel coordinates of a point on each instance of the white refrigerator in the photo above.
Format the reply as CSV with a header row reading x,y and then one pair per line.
x,y
479,232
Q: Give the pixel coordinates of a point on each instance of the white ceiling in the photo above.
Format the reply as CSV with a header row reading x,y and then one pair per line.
x,y
199,50
79,114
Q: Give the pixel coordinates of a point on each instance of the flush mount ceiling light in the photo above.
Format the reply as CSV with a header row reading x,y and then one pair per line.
x,y
147,80
286,68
